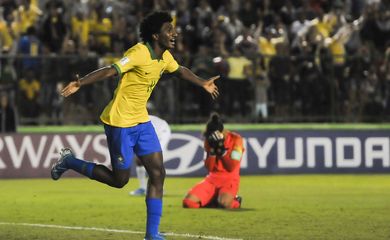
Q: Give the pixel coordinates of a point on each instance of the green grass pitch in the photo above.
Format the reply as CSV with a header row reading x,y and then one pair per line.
x,y
274,207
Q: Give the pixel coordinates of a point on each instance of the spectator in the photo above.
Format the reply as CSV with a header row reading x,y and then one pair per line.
x,y
80,28
280,71
248,14
267,44
233,25
30,47
8,78
223,25
7,115
237,83
29,90
246,43
202,66
372,97
261,84
203,16
5,34
54,28
300,24
57,113
27,14
385,75
101,28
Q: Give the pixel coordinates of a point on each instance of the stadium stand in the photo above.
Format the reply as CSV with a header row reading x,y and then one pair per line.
x,y
315,60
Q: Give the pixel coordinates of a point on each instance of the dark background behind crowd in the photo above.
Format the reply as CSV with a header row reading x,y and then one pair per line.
x,y
279,60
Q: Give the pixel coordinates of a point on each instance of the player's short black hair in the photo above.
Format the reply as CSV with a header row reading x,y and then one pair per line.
x,y
152,24
213,124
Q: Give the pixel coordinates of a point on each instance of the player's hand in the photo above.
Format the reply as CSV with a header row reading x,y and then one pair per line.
x,y
215,136
220,151
216,141
212,152
211,88
72,87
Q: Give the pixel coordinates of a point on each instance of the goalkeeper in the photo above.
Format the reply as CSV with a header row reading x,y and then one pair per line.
x,y
224,152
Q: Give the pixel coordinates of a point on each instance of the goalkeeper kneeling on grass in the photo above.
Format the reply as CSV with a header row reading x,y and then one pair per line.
x,y
224,152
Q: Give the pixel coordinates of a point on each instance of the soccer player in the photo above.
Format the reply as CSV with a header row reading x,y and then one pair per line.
x,y
224,152
126,121
163,132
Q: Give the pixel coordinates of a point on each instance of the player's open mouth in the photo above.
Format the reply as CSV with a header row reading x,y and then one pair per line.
x,y
172,41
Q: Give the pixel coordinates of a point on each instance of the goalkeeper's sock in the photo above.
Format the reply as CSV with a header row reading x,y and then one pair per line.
x,y
154,211
83,167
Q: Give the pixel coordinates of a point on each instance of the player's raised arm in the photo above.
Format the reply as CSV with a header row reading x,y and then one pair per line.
x,y
97,75
208,84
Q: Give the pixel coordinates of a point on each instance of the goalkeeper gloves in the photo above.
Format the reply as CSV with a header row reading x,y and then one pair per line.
x,y
216,142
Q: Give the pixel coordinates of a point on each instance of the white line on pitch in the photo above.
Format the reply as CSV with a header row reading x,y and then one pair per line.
x,y
185,235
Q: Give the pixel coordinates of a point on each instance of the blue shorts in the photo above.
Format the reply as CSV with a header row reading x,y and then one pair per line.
x,y
124,142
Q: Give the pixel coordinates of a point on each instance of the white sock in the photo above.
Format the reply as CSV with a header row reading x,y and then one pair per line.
x,y
141,175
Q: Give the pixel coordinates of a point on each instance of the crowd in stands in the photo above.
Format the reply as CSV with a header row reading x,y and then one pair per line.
x,y
279,60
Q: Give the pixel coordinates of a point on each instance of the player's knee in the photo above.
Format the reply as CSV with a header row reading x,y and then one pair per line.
x,y
120,183
188,203
162,173
157,174
225,203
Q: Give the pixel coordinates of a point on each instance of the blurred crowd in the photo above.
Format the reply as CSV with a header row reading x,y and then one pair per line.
x,y
279,60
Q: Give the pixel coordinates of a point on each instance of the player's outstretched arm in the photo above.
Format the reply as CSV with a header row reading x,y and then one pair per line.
x,y
208,84
97,75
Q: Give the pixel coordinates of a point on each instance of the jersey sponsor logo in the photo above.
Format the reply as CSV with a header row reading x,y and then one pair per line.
x,y
124,61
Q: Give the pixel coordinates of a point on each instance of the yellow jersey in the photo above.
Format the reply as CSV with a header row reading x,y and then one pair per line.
x,y
337,50
237,66
267,49
5,36
30,88
139,72
80,29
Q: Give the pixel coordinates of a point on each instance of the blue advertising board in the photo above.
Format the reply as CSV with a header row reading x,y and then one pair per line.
x,y
290,151
266,152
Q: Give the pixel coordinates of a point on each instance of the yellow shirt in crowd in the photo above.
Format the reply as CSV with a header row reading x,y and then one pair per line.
x,y
31,88
103,27
337,50
80,28
267,49
237,66
5,36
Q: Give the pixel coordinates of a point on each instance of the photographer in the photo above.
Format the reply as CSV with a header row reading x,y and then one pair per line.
x,y
224,152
